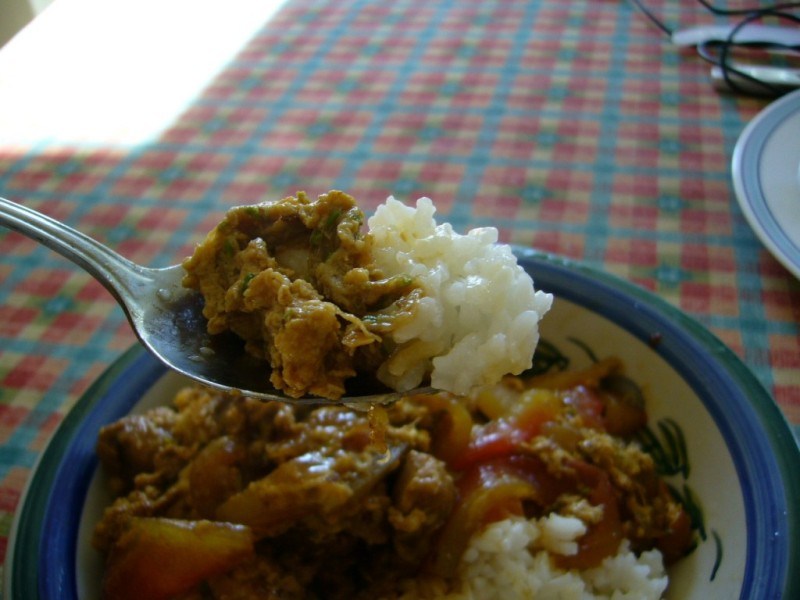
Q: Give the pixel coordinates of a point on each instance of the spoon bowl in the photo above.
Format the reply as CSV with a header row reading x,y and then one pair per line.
x,y
168,318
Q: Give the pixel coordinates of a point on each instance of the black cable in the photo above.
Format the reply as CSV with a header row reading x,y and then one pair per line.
x,y
775,9
726,46
652,17
722,58
736,12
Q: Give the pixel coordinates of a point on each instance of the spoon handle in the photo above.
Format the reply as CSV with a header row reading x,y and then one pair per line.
x,y
120,276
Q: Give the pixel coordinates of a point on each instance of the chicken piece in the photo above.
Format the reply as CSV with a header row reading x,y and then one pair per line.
x,y
318,490
423,498
131,446
295,280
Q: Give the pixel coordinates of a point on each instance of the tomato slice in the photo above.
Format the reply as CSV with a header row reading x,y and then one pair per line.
x,y
491,491
678,540
495,440
488,492
503,437
453,427
501,487
588,404
500,477
603,538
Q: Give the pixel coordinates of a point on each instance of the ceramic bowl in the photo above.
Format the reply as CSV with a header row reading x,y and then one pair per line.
x,y
740,466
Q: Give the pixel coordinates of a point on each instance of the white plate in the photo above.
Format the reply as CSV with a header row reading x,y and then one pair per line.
x,y
766,163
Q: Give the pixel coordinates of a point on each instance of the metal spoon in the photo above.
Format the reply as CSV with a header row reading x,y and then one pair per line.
x,y
167,318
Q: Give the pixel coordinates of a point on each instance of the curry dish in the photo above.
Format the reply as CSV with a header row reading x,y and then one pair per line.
x,y
227,497
296,281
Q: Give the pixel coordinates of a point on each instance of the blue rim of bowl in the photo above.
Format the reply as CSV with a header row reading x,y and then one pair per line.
x,y
44,538
46,529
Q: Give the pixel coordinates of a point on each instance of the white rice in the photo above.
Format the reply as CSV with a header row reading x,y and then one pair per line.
x,y
479,309
513,559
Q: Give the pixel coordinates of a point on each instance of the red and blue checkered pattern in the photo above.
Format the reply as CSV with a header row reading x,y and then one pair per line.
x,y
571,127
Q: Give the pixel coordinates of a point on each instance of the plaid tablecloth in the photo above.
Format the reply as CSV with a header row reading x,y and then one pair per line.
x,y
573,127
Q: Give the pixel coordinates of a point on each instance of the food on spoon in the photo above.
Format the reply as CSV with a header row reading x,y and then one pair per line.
x,y
514,490
323,301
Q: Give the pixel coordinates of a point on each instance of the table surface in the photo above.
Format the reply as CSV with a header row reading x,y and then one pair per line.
x,y
575,128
